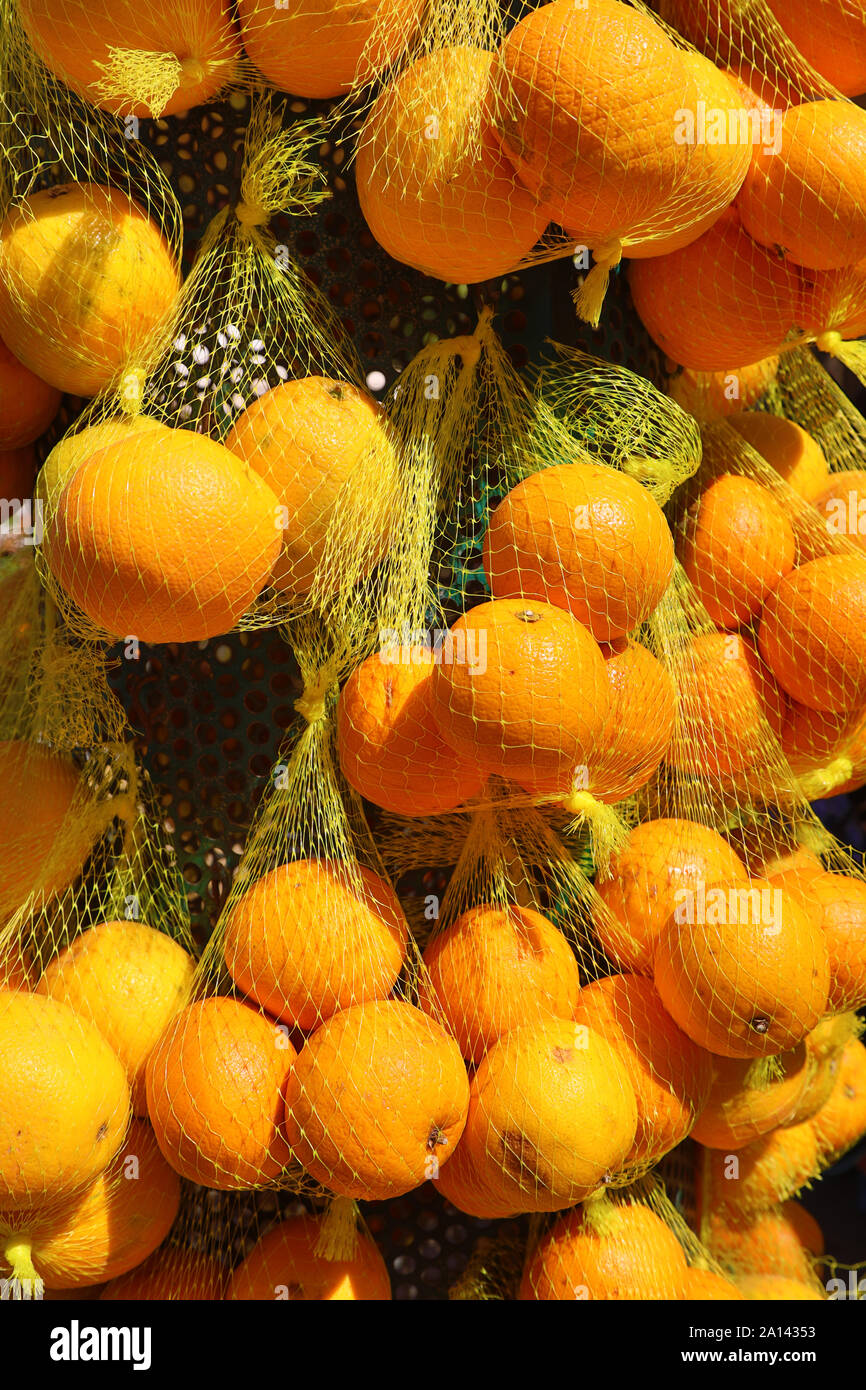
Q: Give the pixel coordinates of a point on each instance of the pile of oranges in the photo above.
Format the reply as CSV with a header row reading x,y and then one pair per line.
x,y
646,945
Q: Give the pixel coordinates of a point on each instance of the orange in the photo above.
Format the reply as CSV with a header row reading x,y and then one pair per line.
x,y
709,394
472,1182
743,968
771,849
137,563
704,1286
64,1101
376,1100
583,537
795,455
311,937
522,692
660,860
129,981
805,194
101,1232
198,41
389,747
46,826
435,188
842,505
716,167
719,303
284,1265
764,1173
831,36
736,546
16,967
731,713
215,1084
27,404
778,1242
86,278
813,633
855,751
18,469
73,449
670,1076
810,739
841,1120
833,303
839,903
322,50
765,1288
641,716
554,1110
171,1274
633,1256
323,449
739,1110
588,102
825,1045
493,969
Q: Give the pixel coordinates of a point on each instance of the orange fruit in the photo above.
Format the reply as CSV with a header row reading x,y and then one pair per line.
x,y
553,1107
137,564
86,278
16,967
64,1101
731,713
842,505
471,1181
736,546
494,969
634,1256
73,449
642,713
745,971
105,1230
170,1274
813,633
522,692
795,455
129,981
27,404
215,1084
311,938
284,1264
704,1286
376,1100
316,50
771,849
389,747
719,303
854,750
587,106
841,1120
811,739
803,193
825,1046
583,537
715,170
322,447
707,395
738,1110
47,828
199,43
831,36
660,860
764,1288
839,903
671,1077
833,303
435,188
764,1173
779,1241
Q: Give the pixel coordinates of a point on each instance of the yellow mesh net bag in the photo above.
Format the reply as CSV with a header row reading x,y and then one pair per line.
x,y
783,265
518,134
249,402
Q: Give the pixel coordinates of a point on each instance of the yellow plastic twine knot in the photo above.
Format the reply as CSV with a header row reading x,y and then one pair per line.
x,y
816,784
830,342
338,1234
251,215
313,703
589,297
607,833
